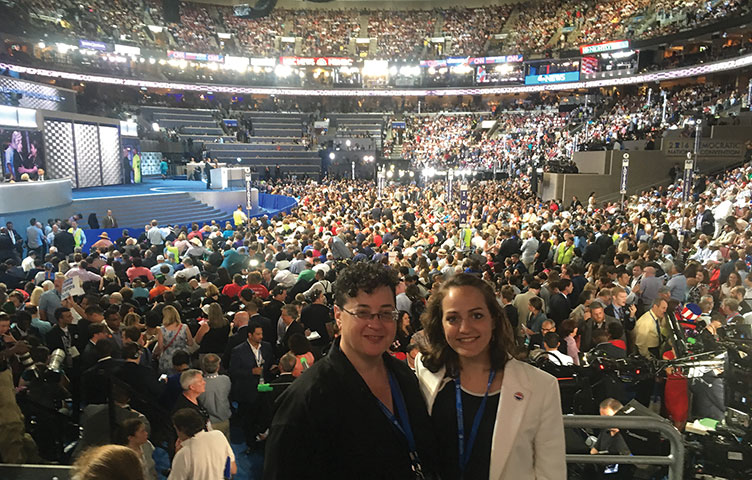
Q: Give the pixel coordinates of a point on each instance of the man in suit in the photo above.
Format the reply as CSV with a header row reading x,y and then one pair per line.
x,y
269,328
240,335
64,242
96,427
109,221
89,356
140,378
15,238
286,366
619,309
7,247
251,362
64,335
292,326
560,308
94,380
595,318
522,300
704,222
279,385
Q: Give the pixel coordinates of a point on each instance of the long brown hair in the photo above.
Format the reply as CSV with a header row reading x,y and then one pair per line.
x,y
439,353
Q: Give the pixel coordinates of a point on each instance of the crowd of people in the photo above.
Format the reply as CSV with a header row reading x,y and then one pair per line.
x,y
470,29
671,17
196,31
248,302
325,34
633,118
112,21
545,136
537,26
401,36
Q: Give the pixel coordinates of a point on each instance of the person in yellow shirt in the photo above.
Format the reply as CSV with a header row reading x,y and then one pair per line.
x,y
565,252
239,217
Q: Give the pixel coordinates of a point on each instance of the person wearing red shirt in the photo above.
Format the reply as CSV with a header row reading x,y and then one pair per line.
x,y
138,270
195,232
232,289
254,283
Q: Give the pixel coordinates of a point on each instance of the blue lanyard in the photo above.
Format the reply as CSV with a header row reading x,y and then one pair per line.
x,y
403,423
466,450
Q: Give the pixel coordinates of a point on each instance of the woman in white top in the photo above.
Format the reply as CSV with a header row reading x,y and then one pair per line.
x,y
494,417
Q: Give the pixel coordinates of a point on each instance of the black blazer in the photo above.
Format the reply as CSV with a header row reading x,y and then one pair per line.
x,y
143,380
559,308
88,356
244,382
94,381
346,433
269,327
55,336
295,327
235,339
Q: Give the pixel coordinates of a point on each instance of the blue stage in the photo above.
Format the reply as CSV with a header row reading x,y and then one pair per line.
x,y
170,202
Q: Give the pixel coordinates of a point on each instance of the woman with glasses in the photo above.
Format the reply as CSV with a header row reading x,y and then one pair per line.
x,y
494,417
358,410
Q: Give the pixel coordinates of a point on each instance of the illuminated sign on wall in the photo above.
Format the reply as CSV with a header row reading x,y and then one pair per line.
x,y
316,61
92,45
552,78
604,47
496,60
197,57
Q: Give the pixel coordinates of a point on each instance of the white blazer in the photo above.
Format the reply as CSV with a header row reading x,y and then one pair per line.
x,y
528,436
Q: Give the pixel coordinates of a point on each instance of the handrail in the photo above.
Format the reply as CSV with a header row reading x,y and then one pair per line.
x,y
674,460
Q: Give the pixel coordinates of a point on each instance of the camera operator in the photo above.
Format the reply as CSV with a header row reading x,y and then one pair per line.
x,y
16,446
708,390
610,441
44,382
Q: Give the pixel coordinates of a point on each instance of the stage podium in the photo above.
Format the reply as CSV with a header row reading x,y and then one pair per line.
x,y
222,178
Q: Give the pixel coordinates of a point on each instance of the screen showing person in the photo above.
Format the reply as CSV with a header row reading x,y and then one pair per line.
x,y
22,154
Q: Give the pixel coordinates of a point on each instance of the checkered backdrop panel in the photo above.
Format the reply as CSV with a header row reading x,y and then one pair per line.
x,y
150,163
87,155
109,147
58,144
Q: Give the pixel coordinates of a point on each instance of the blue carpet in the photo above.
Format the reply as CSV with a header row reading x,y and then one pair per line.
x,y
149,186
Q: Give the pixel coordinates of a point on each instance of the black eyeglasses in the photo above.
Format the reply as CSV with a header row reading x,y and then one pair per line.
x,y
391,315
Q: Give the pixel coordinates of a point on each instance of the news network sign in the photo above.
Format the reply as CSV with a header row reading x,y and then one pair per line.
x,y
552,78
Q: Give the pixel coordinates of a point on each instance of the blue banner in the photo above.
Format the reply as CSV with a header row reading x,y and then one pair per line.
x,y
92,45
552,78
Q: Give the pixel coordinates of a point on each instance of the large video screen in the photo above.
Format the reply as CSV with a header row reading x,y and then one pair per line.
x,y
22,153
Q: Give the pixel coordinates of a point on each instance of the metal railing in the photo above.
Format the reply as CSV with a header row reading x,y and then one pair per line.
x,y
674,460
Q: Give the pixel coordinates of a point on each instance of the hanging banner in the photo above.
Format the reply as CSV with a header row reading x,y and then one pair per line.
x,y
248,203
450,180
464,205
624,174
688,177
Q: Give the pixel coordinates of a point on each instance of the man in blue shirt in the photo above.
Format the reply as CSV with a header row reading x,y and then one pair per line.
x,y
35,239
677,283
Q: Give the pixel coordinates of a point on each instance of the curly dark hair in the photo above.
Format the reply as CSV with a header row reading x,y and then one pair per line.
x,y
439,353
362,276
